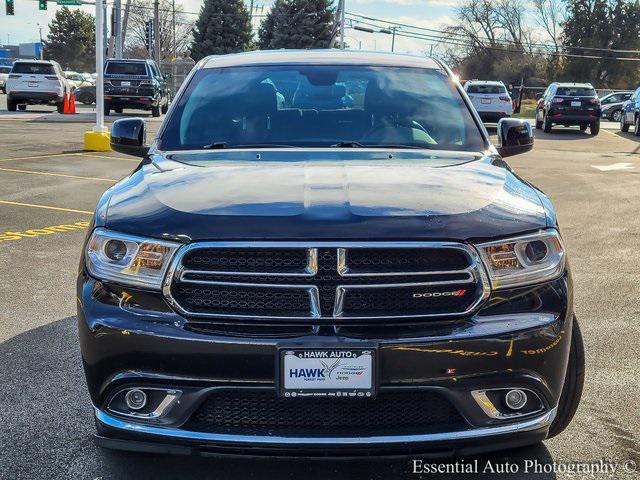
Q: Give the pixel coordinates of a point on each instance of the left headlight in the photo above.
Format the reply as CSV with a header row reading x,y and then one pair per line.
x,y
524,260
127,259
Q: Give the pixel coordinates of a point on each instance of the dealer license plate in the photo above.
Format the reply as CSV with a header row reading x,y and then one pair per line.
x,y
576,104
327,372
125,84
486,100
32,84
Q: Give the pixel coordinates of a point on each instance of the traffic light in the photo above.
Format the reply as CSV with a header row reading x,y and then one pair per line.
x,y
9,6
148,38
42,4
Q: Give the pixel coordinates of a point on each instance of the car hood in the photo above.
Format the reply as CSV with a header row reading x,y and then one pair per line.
x,y
447,196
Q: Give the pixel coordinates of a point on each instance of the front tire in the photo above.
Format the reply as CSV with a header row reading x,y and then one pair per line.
x,y
155,111
573,383
11,105
595,128
637,126
107,108
624,127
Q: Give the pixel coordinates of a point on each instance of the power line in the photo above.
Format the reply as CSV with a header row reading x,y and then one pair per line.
x,y
472,37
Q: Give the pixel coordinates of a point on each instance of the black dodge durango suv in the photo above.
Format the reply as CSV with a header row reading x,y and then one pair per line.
x,y
322,253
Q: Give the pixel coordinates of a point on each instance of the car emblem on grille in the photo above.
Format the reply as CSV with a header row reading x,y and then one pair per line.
x,y
454,293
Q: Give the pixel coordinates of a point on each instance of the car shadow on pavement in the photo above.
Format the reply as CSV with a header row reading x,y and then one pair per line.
x,y
47,431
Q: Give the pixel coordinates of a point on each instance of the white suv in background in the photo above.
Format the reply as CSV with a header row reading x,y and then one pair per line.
x,y
491,99
4,74
36,82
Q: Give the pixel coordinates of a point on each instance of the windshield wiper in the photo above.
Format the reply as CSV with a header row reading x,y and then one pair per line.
x,y
347,144
225,145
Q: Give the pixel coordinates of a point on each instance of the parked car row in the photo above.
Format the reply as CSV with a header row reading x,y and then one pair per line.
x,y
136,84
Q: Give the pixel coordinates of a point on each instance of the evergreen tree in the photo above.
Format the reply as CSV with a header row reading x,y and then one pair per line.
x,y
605,24
298,24
72,40
222,27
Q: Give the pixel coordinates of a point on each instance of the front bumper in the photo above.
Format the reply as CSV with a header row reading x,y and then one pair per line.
x,y
519,339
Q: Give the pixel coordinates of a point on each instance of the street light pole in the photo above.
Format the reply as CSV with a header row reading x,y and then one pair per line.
x,y
99,126
342,25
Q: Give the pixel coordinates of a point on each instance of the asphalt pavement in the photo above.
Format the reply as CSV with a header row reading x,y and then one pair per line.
x,y
48,190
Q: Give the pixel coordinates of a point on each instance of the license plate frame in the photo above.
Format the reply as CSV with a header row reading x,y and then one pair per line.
x,y
576,104
485,101
32,84
125,84
345,381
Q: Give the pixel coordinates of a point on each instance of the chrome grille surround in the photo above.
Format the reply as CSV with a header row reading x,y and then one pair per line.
x,y
474,274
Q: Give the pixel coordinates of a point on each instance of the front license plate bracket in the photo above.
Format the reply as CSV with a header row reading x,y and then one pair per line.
x,y
331,372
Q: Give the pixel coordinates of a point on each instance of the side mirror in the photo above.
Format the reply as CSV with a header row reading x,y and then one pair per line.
x,y
538,95
129,136
514,137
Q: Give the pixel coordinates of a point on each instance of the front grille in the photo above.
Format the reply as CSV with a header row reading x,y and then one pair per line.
x,y
356,282
261,411
246,260
233,299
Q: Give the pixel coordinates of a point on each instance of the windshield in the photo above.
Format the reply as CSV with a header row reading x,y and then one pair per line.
x,y
33,68
124,68
321,106
576,92
5,69
486,89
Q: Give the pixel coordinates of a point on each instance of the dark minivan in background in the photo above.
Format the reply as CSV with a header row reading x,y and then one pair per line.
x,y
569,104
136,84
322,253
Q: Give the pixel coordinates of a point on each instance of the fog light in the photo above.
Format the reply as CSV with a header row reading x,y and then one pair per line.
x,y
136,399
515,399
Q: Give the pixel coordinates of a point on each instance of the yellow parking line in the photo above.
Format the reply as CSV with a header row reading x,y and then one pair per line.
x,y
34,172
54,155
124,159
48,207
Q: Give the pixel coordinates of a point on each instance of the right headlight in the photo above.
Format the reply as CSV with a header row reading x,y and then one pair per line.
x,y
524,260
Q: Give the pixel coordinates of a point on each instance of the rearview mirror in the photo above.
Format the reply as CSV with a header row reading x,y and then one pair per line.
x,y
129,136
514,137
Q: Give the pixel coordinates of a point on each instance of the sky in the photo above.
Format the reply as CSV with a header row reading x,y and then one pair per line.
x,y
24,26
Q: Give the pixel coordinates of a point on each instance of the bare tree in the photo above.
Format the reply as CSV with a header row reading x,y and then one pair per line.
x,y
550,14
510,17
142,11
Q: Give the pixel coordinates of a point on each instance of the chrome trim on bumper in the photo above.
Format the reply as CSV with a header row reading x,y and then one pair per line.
x,y
537,423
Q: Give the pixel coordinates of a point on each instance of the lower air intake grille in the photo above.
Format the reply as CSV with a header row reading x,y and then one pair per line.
x,y
390,413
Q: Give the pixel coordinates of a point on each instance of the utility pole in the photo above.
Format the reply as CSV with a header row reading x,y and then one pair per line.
x,y
156,31
117,23
173,28
393,38
104,29
41,46
125,21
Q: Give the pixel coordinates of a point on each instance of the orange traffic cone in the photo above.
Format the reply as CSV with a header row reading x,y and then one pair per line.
x,y
65,103
72,102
